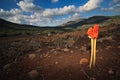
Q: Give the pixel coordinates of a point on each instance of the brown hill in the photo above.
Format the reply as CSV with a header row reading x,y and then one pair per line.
x,y
91,20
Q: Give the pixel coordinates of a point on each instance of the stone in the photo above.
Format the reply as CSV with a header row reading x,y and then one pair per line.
x,y
76,47
66,49
6,66
46,55
31,56
71,51
92,78
52,50
39,50
56,62
83,60
110,71
108,47
118,47
83,48
33,74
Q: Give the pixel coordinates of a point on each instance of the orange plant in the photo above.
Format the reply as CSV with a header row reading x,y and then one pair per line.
x,y
93,35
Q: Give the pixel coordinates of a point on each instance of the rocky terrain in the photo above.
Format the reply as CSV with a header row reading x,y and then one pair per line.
x,y
61,56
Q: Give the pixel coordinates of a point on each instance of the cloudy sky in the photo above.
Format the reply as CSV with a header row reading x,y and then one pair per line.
x,y
55,12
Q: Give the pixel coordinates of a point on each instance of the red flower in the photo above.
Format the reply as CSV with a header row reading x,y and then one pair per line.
x,y
93,32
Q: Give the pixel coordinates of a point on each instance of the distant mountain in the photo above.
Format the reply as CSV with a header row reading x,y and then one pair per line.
x,y
12,29
80,22
72,22
6,25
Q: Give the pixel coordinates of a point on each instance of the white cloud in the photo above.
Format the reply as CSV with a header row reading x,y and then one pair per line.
x,y
71,9
54,1
115,8
5,13
90,5
63,20
116,1
28,6
105,9
76,16
16,19
34,19
44,17
22,19
59,11
11,13
15,11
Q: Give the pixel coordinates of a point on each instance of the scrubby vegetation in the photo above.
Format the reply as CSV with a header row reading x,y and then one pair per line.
x,y
45,52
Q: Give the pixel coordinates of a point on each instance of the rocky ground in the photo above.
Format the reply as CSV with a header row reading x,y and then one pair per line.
x,y
61,56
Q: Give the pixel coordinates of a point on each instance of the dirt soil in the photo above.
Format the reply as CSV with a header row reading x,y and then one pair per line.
x,y
50,62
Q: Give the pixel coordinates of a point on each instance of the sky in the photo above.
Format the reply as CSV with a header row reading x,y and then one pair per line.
x,y
55,12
